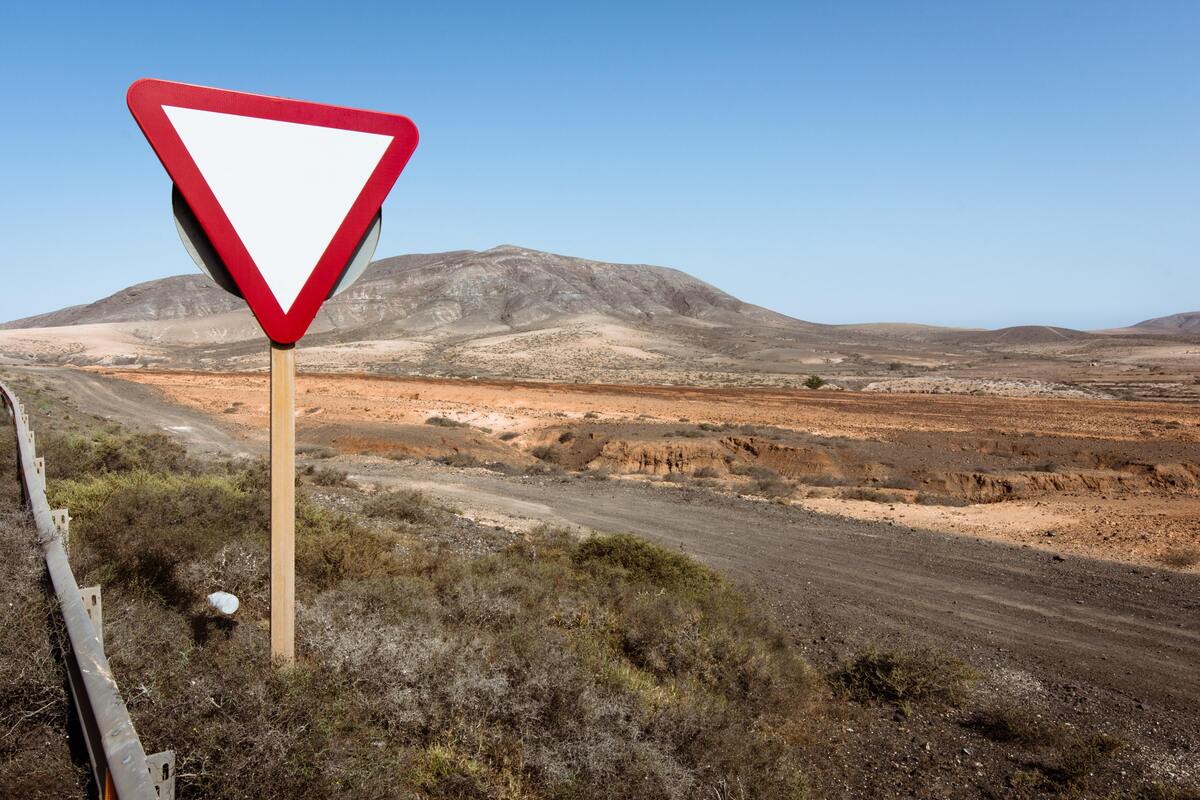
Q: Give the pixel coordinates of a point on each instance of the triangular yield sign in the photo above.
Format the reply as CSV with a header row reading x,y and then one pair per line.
x,y
284,189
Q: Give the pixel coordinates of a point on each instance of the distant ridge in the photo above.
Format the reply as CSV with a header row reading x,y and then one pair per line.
x,y
1187,322
494,289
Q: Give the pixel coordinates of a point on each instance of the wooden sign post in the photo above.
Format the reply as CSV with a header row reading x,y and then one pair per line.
x,y
280,202
283,504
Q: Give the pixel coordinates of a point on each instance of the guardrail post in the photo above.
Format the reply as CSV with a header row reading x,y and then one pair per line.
x,y
95,610
162,772
62,523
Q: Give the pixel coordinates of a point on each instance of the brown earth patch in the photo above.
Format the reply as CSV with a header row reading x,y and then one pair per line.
x,y
840,452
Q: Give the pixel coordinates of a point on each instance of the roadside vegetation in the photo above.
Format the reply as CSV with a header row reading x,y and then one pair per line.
x,y
554,667
35,758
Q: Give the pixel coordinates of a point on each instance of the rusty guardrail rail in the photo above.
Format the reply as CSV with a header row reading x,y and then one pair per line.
x,y
119,764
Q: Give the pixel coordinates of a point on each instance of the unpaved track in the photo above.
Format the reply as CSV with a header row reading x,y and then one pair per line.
x,y
146,408
1100,634
1118,643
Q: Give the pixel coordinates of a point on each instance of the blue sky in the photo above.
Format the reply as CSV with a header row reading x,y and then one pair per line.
x,y
980,164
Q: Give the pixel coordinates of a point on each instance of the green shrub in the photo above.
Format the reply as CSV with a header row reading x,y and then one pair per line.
x,y
111,450
633,559
814,382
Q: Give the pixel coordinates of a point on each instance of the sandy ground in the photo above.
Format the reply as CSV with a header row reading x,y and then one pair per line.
x,y
1105,498
510,405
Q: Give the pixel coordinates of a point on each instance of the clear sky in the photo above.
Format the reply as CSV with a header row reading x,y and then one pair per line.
x,y
960,163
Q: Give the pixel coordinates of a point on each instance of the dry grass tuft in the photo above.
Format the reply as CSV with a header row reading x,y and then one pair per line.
x,y
903,677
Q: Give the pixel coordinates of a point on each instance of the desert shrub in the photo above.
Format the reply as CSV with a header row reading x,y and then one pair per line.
x,y
899,482
319,451
756,471
872,495
903,677
598,473
111,449
137,528
1070,759
1181,557
548,453
566,436
639,561
446,422
404,505
327,476
826,480
706,472
675,477
1009,726
591,415
934,499
773,487
508,436
712,427
814,382
460,459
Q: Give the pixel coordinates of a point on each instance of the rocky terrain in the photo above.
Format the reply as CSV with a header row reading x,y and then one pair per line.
x,y
521,313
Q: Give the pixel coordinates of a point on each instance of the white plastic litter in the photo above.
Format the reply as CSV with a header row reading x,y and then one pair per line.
x,y
224,602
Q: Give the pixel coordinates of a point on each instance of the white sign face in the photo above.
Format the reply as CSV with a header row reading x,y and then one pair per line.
x,y
285,187
278,199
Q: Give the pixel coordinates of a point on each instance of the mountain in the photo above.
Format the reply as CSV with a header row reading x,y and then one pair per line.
x,y
459,291
516,312
1186,323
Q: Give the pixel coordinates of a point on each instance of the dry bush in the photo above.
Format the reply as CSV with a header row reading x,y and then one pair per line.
x,y
934,499
903,677
548,453
706,472
403,505
460,459
899,482
319,451
872,495
446,422
1181,557
328,476
508,436
35,757
826,480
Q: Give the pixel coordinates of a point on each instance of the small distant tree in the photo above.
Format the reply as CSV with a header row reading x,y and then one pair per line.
x,y
814,382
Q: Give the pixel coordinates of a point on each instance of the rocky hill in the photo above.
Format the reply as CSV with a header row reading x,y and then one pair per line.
x,y
1187,322
461,291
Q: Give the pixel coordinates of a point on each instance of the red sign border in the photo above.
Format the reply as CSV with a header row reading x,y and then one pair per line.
x,y
146,98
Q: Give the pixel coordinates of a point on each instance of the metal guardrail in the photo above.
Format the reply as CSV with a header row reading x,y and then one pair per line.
x,y
119,764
